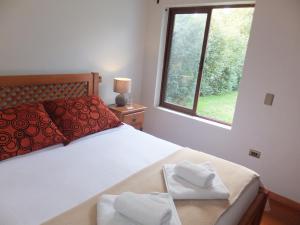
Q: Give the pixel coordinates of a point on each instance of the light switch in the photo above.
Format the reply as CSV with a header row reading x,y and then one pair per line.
x,y
269,99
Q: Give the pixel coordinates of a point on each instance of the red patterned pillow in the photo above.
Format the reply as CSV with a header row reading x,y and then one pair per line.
x,y
26,128
78,117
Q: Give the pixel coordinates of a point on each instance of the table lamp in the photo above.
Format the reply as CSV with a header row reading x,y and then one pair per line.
x,y
122,86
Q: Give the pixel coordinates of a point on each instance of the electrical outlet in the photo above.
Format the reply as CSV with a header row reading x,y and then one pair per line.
x,y
254,153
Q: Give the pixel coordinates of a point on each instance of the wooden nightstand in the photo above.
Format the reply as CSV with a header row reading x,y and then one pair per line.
x,y
133,116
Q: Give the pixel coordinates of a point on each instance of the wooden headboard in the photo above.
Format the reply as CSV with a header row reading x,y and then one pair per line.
x,y
16,90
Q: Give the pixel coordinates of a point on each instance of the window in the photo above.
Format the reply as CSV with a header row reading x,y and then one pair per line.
x,y
204,59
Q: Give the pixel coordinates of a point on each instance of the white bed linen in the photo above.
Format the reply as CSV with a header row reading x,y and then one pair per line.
x,y
37,187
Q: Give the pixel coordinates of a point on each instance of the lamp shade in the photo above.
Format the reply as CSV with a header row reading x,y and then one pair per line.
x,y
122,85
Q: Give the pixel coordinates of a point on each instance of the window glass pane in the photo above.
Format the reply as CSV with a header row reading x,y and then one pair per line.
x,y
224,61
184,59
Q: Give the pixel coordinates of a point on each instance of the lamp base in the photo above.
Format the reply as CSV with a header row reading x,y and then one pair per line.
x,y
121,100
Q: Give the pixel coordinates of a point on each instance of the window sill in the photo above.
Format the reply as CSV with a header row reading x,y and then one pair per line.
x,y
206,121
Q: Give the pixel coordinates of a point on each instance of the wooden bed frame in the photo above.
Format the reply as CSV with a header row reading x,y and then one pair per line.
x,y
255,211
20,89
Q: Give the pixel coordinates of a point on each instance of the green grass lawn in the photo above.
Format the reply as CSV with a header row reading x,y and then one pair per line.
x,y
218,107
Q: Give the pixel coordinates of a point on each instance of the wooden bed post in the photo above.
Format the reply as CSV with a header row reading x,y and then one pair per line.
x,y
96,81
255,212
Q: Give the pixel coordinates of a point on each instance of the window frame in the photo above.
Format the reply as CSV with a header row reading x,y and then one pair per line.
x,y
168,44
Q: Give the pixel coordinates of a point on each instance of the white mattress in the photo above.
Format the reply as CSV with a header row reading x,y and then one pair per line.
x,y
37,187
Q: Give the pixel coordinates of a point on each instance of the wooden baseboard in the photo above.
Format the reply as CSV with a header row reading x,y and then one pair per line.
x,y
284,201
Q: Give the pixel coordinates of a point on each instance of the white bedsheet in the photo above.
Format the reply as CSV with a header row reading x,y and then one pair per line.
x,y
37,187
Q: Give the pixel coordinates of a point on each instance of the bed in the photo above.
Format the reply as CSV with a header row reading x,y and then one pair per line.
x,y
53,186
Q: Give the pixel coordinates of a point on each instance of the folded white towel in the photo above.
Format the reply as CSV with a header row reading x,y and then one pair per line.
x,y
143,209
107,215
197,174
181,189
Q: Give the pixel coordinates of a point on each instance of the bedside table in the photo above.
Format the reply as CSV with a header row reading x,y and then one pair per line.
x,y
133,116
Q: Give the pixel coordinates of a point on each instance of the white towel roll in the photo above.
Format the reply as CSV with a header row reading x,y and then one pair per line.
x,y
143,209
197,174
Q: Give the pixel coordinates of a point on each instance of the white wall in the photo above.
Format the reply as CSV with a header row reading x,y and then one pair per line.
x,y
272,65
61,36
